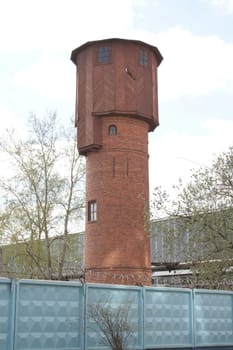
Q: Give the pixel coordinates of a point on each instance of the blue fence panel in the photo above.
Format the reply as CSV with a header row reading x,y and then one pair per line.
x,y
168,318
213,318
6,313
55,315
114,297
49,315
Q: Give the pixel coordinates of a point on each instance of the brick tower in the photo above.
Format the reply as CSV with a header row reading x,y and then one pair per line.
x,y
116,106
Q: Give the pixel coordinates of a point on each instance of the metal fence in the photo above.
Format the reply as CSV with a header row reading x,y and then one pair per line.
x,y
50,315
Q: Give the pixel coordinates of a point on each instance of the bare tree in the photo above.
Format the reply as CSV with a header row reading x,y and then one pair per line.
x,y
201,220
42,196
113,323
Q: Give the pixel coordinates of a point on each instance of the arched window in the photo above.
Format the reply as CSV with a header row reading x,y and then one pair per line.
x,y
112,130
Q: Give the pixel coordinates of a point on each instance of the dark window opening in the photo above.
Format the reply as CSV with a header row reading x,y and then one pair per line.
x,y
104,54
143,57
112,130
92,211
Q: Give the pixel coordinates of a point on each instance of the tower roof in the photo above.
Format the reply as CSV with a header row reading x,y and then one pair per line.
x,y
89,43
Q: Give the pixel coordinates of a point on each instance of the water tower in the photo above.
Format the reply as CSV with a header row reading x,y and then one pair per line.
x,y
116,107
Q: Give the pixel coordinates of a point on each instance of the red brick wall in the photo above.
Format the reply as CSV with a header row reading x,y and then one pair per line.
x,y
121,91
117,244
122,86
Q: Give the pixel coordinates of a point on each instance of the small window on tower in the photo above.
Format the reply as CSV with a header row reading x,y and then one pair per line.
x,y
112,130
104,54
143,57
92,211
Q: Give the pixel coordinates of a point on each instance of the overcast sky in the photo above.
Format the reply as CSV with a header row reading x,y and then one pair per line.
x,y
195,83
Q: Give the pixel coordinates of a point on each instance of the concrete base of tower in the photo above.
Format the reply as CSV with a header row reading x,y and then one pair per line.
x,y
123,276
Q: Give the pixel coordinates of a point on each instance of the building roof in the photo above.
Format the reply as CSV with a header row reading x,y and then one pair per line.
x,y
89,43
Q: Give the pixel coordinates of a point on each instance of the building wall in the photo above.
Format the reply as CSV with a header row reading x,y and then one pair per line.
x,y
121,86
116,85
17,262
117,178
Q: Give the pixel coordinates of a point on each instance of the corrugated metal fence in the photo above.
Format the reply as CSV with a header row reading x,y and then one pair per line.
x,y
52,315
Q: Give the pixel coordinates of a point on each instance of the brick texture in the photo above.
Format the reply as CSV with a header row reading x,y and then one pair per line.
x,y
117,243
120,92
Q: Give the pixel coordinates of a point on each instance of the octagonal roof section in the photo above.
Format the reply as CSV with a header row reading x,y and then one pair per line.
x,y
89,43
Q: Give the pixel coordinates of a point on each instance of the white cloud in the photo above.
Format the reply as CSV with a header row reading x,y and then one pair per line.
x,y
52,29
225,5
51,75
9,119
220,135
174,154
193,65
60,24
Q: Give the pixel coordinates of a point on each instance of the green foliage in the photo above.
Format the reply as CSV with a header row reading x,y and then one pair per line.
x,y
42,196
202,220
29,258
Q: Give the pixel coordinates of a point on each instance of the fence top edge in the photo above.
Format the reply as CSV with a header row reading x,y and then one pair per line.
x,y
168,289
5,280
49,282
212,291
113,286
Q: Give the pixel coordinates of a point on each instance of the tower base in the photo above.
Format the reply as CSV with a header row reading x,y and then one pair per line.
x,y
123,276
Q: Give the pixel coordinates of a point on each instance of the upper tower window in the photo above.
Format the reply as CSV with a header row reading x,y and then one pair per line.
x,y
104,54
143,57
112,130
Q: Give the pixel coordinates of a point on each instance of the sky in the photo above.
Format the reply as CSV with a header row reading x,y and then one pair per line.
x,y
195,79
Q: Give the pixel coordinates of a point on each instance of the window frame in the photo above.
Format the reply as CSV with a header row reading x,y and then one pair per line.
x,y
143,57
112,130
92,211
104,54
